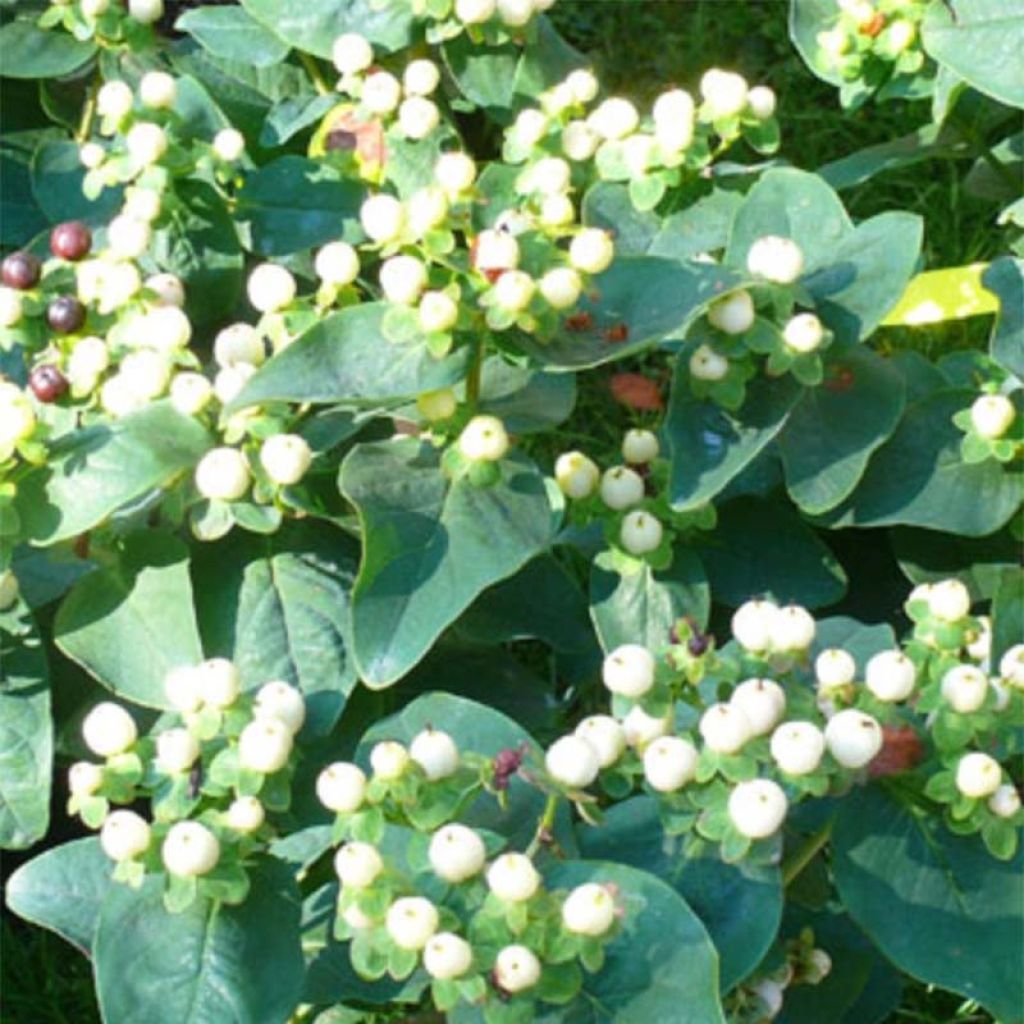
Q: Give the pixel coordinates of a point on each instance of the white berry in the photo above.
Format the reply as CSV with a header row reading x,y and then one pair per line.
x,y
964,688
84,778
572,761
1005,801
724,92
219,682
516,969
456,853
190,849
438,312
246,814
992,416
579,141
754,625
776,259
411,921
437,405
763,703
351,53
734,314
382,217
114,100
561,287
146,11
435,752
707,364
357,865
157,89
640,447
605,735
629,670
337,264
949,601
285,458
341,787
124,835
669,763
589,910
381,92
853,738
834,667
484,439
282,701
640,533
725,728
576,475
592,251
1011,666
615,118
146,143
803,333
621,488
402,279
389,759
514,290
270,287
758,808
455,172
176,751
978,775
475,12
167,288
229,144
798,747
447,955
265,745
762,102
421,77
641,728
513,878
109,730
222,474
890,676
794,629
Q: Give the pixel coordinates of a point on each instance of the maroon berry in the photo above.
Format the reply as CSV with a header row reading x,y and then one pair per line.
x,y
21,270
65,314
506,764
71,240
47,383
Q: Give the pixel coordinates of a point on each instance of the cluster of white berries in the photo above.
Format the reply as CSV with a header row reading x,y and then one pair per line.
x,y
474,15
868,31
622,489
146,12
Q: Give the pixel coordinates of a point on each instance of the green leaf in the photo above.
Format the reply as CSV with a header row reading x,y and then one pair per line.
x,y
938,905
652,298
314,24
26,739
31,52
608,205
700,228
346,358
642,607
1005,277
546,61
792,204
1007,613
486,76
63,889
710,447
762,546
278,606
92,472
806,19
481,729
832,431
859,640
231,33
981,44
739,904
293,203
57,176
291,116
525,400
918,479
20,216
430,546
206,965
130,623
660,967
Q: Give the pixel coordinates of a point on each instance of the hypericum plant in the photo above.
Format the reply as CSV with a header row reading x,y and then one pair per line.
x,y
291,333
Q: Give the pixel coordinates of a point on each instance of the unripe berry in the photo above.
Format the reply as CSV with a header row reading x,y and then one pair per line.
x,y
605,735
146,11
754,625
901,34
84,778
890,676
337,264
228,383
228,145
91,155
776,259
724,92
21,270
165,328
980,646
615,118
550,176
418,117
853,738
215,682
513,878
949,601
446,955
389,760
265,745
427,209
641,728
381,92
146,373
455,172
725,728
1005,801
124,835
437,405
1011,666
246,814
285,458
763,703
576,475
640,533
358,865
495,250
734,314
640,447
190,849
673,114
803,333
798,747
771,996
190,393
351,53
402,279
157,89
834,667
421,77
435,752
621,488
484,439
530,126
584,85
127,237
11,310
964,688
579,141
978,775
17,417
589,910
176,751
794,629
592,251
270,287
561,287
707,364
456,853
516,969
168,289
109,730
572,761
146,143
992,416
183,687
758,808
222,474
341,787
382,217
514,290
670,762
411,921
629,670
238,343
114,100
761,101
282,701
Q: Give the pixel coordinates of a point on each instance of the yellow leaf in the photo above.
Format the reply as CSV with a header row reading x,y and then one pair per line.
x,y
952,294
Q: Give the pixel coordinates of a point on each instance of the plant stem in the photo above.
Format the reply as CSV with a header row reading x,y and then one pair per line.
x,y
476,368
547,819
88,112
796,864
311,66
982,149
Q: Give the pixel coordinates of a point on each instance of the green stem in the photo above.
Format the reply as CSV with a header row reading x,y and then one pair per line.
x,y
88,112
982,149
476,369
796,864
547,820
311,66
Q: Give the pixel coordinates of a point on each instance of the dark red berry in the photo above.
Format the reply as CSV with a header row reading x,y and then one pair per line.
x,y
47,383
506,764
71,240
65,314
21,270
